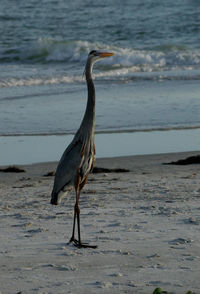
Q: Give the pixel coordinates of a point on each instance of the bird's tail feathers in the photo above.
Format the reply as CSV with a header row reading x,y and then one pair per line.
x,y
57,197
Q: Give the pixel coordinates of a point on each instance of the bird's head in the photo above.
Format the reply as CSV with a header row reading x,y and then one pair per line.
x,y
95,55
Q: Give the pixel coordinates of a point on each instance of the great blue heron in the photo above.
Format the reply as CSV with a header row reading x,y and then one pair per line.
x,y
79,157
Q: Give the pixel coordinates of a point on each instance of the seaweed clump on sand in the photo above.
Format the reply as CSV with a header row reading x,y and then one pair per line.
x,y
160,291
186,161
109,170
12,169
97,170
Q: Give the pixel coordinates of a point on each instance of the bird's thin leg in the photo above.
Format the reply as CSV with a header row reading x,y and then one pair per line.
x,y
78,223
74,224
76,213
78,243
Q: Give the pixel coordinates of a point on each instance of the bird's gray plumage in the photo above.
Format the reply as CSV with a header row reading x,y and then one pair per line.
x,y
79,157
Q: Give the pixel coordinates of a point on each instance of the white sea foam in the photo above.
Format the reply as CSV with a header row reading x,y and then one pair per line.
x,y
121,74
40,81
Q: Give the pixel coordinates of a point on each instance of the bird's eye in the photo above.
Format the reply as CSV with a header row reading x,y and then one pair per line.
x,y
93,52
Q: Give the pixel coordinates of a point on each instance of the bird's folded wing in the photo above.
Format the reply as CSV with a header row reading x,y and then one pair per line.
x,y
68,166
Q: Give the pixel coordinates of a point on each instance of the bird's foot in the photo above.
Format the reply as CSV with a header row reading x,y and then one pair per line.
x,y
78,244
72,240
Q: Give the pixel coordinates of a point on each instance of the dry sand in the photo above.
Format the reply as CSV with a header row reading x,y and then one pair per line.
x,y
146,224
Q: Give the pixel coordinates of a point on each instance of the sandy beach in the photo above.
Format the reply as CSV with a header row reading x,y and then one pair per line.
x,y
145,223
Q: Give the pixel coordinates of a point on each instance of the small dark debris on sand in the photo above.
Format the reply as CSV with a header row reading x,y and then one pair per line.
x,y
12,169
188,160
50,174
109,170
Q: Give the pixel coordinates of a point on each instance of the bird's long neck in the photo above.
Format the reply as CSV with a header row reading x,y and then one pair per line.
x,y
88,122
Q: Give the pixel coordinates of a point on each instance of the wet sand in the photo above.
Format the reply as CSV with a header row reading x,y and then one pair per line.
x,y
146,224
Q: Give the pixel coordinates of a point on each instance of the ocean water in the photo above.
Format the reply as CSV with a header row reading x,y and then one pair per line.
x,y
150,84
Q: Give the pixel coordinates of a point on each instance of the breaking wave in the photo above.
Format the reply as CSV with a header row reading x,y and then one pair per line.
x,y
166,62
51,50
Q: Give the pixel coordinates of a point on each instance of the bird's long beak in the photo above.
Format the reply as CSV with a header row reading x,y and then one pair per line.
x,y
106,54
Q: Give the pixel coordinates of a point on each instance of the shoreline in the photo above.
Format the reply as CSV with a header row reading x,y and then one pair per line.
x,y
145,223
130,162
33,149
